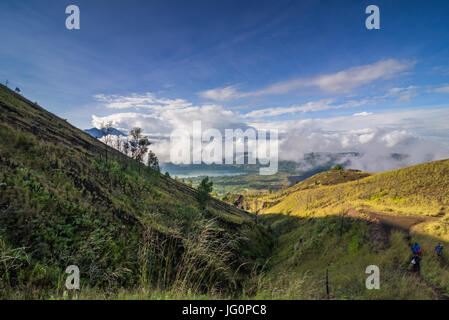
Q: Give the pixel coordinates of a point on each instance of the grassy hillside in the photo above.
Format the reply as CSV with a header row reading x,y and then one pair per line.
x,y
421,189
259,202
308,248
343,221
67,198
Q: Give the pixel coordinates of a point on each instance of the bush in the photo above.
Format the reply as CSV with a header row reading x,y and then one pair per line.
x,y
204,188
338,167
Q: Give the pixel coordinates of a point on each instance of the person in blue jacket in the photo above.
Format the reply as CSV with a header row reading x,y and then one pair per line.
x,y
439,250
416,248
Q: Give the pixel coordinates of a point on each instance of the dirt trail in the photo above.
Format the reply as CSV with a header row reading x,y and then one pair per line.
x,y
389,221
400,222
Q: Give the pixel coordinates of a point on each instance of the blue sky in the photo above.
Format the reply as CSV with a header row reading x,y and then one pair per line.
x,y
158,64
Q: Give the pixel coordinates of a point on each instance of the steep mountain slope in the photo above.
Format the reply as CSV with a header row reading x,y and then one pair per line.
x,y
67,198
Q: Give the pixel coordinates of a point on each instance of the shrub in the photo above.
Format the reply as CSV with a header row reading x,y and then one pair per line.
x,y
203,191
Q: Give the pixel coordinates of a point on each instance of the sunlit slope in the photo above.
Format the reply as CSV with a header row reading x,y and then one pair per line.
x,y
259,203
421,189
67,198
330,226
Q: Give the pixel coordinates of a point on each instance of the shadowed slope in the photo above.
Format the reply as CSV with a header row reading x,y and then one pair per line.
x,y
67,198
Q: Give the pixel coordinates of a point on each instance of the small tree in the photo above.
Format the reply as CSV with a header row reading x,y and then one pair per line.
x,y
6,83
118,144
135,134
203,191
338,167
126,147
106,130
142,148
17,90
138,144
152,161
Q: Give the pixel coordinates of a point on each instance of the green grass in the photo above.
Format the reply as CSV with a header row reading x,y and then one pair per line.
x,y
246,183
421,190
316,234
66,198
69,199
306,247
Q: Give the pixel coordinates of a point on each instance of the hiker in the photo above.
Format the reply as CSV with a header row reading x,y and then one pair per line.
x,y
416,260
416,248
439,250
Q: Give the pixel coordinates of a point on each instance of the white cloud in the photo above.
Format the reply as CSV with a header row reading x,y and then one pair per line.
x,y
376,146
341,82
402,94
443,70
362,114
347,80
444,89
125,121
159,123
147,101
311,106
222,94
162,121
420,134
165,122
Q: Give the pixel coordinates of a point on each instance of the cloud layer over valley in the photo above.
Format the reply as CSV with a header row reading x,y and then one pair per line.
x,y
342,118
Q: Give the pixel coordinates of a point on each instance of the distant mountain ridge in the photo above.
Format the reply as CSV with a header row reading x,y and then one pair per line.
x,y
100,133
